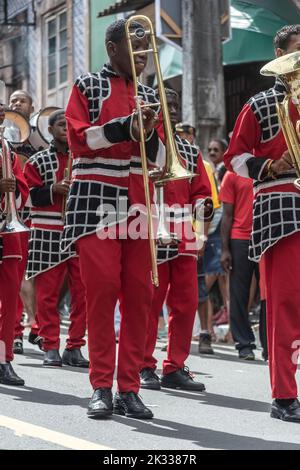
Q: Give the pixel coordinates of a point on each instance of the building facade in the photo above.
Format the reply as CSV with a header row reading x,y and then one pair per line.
x,y
44,45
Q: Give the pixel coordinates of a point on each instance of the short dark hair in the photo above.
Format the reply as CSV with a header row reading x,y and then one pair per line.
x,y
223,143
25,93
55,116
282,37
116,31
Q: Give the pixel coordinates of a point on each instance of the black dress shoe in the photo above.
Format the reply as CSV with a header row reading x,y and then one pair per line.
x,y
129,404
182,380
286,413
101,404
18,345
52,358
36,340
149,379
8,375
246,354
74,358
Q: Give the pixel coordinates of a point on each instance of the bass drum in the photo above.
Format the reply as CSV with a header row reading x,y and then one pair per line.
x,y
17,128
40,137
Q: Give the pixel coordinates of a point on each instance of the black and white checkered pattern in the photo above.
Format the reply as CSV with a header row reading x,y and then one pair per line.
x,y
275,216
44,251
47,164
263,106
97,88
189,153
90,205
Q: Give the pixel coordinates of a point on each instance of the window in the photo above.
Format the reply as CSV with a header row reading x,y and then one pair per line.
x,y
57,48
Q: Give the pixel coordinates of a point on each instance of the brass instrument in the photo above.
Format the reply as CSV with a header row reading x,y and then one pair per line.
x,y
12,222
12,128
173,169
67,176
287,69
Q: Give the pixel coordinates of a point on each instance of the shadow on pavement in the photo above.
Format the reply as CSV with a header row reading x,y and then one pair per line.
x,y
204,437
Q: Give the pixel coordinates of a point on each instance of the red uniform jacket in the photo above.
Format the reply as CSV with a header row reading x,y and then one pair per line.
x,y
107,173
256,138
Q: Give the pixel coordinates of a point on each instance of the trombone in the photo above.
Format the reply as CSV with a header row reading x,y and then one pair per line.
x,y
174,168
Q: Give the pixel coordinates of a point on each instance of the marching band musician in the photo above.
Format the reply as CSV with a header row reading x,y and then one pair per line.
x,y
258,150
11,257
44,173
177,269
107,180
22,102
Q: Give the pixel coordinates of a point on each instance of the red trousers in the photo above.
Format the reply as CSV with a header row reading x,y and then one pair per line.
x,y
9,290
24,237
282,270
47,288
181,275
113,269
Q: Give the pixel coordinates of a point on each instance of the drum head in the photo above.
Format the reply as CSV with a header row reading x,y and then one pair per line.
x,y
40,137
17,128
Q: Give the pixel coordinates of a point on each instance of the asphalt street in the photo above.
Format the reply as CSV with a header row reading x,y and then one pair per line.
x,y
50,411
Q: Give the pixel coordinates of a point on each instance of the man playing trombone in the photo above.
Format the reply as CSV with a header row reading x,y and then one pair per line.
x,y
107,186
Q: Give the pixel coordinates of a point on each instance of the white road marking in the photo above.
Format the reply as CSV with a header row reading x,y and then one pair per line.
x,y
21,428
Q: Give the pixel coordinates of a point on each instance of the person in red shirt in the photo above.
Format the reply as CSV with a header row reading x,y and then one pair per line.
x,y
11,256
44,173
258,150
236,193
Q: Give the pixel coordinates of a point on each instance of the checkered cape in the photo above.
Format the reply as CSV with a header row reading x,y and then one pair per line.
x,y
100,188
275,215
44,251
263,106
44,244
189,154
276,212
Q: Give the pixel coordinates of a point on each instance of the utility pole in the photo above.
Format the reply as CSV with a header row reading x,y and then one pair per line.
x,y
203,100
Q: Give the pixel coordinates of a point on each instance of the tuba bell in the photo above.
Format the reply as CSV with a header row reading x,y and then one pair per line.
x,y
287,69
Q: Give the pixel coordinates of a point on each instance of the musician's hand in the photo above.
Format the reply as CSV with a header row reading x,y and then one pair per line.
x,y
283,164
226,261
62,187
150,120
7,185
2,113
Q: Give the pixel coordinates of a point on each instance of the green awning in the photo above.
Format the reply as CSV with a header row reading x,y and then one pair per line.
x,y
253,29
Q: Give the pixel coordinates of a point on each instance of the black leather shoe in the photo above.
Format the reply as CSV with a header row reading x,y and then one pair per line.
x,y
52,358
246,354
286,413
74,358
8,375
149,379
18,345
101,404
181,379
129,404
36,340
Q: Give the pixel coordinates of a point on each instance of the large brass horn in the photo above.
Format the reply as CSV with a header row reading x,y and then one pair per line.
x,y
12,127
174,168
287,69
